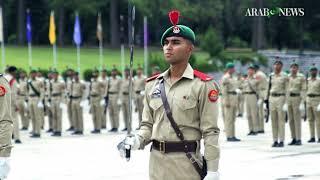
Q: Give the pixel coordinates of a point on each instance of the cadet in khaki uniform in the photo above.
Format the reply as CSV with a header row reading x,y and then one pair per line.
x,y
313,104
6,127
96,91
35,96
192,97
296,98
68,82
124,97
139,85
76,95
48,98
21,100
104,80
10,76
278,105
250,86
262,91
43,113
230,90
114,101
57,91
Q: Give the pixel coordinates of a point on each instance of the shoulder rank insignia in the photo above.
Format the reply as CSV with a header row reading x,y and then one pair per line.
x,y
152,78
202,76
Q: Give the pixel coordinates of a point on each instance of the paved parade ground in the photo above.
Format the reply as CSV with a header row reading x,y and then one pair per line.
x,y
95,157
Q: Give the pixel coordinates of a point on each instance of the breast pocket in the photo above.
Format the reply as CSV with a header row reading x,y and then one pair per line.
x,y
185,104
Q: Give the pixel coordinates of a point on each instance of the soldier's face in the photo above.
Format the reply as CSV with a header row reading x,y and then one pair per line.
x,y
294,69
250,72
313,73
177,49
277,67
139,72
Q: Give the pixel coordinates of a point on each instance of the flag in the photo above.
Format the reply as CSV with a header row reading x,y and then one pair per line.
x,y
28,27
99,28
1,26
52,29
77,32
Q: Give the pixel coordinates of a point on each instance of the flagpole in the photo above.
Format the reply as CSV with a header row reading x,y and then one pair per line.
x,y
122,58
30,54
101,54
78,57
145,38
54,49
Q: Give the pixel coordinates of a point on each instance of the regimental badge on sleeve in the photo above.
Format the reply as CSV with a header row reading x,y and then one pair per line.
x,y
2,91
213,95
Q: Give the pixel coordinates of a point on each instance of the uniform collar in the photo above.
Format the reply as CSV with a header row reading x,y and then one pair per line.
x,y
188,73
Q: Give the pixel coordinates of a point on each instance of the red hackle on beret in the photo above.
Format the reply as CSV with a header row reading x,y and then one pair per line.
x,y
174,17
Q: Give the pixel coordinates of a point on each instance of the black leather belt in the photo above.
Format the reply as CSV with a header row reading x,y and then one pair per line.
x,y
56,94
21,94
75,97
294,94
33,95
138,92
313,95
277,95
232,92
169,147
112,93
94,95
125,93
249,93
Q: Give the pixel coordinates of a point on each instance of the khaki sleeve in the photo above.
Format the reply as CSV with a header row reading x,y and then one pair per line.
x,y
209,112
42,90
145,131
286,87
14,94
224,85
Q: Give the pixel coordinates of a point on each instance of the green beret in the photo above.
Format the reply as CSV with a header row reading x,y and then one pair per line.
x,y
277,62
179,31
229,65
294,63
33,71
313,68
251,66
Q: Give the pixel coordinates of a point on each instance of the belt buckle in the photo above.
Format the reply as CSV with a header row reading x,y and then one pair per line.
x,y
162,147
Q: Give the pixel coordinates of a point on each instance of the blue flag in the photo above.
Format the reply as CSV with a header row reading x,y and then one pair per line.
x,y
28,28
77,32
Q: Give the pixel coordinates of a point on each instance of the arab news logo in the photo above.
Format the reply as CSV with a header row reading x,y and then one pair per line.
x,y
268,12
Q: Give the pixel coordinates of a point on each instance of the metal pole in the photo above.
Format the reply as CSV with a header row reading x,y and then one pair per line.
x,y
78,57
30,54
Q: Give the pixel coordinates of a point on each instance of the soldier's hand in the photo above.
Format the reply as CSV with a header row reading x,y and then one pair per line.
x,y
238,91
212,176
102,102
119,102
4,167
132,141
301,107
259,102
285,107
318,108
40,104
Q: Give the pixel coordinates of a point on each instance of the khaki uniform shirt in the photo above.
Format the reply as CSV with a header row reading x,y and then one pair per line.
x,y
229,85
279,83
297,85
78,89
38,85
195,115
262,84
313,89
56,89
5,118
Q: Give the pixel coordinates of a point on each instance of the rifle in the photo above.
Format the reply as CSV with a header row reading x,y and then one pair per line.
x,y
305,102
106,99
267,100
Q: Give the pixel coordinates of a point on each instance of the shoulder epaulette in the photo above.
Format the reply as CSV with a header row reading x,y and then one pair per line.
x,y
152,77
202,76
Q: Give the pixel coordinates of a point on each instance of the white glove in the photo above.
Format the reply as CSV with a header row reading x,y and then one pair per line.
x,y
264,106
102,102
238,91
25,104
301,107
142,92
259,102
48,104
4,167
119,102
318,108
62,105
212,176
133,141
40,104
285,107
82,103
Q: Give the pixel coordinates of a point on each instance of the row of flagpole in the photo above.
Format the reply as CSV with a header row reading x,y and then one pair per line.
x,y
76,39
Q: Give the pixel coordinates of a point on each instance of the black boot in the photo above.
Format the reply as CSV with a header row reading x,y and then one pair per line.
x,y
71,129
49,130
17,141
293,142
312,140
275,144
298,143
96,131
280,144
57,134
35,135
